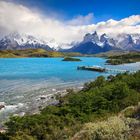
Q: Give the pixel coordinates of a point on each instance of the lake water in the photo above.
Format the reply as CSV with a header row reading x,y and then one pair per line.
x,y
23,81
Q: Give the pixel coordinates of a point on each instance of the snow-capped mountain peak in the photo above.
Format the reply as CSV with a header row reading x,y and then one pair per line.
x,y
91,37
22,41
103,37
92,43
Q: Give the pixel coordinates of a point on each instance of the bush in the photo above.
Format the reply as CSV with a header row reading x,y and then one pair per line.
x,y
114,128
97,100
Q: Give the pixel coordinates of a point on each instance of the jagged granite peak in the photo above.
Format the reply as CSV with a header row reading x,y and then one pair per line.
x,y
125,42
103,37
94,34
92,43
91,37
136,38
107,40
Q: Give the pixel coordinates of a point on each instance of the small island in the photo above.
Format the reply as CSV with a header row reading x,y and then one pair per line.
x,y
95,68
71,59
118,61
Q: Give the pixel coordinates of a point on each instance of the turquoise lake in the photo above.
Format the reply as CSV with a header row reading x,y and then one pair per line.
x,y
24,80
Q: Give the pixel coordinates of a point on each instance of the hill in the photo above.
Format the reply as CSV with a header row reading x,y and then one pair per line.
x,y
131,57
33,53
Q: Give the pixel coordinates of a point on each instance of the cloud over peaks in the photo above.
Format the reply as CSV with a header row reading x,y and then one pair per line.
x,y
82,20
16,17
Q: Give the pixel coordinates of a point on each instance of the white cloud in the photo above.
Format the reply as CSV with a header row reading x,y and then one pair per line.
x,y
15,17
132,20
19,18
82,20
126,25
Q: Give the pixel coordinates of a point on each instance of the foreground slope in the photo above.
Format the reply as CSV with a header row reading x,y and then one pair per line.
x,y
78,113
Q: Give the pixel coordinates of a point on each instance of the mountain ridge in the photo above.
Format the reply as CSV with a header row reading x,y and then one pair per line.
x,y
92,43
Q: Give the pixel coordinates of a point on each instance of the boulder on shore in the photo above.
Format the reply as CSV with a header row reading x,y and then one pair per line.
x,y
1,106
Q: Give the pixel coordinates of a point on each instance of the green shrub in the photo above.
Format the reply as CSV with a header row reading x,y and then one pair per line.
x,y
115,128
97,100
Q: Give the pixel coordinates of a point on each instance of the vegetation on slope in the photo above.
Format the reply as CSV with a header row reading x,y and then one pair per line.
x,y
123,126
125,58
33,53
111,53
71,59
86,111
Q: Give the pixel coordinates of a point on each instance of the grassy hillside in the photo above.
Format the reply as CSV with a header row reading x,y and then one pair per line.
x,y
86,114
111,53
117,57
33,53
131,57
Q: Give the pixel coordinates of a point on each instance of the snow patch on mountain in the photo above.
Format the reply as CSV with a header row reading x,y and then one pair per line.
x,y
103,42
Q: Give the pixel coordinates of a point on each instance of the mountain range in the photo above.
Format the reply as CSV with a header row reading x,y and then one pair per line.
x,y
91,43
16,41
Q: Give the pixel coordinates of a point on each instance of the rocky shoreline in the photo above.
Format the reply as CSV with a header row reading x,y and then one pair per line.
x,y
7,110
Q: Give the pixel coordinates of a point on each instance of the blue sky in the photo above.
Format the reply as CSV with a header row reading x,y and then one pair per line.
x,y
69,20
102,9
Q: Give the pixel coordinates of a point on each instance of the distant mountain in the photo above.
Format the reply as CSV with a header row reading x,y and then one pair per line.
x,y
16,41
128,41
93,43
